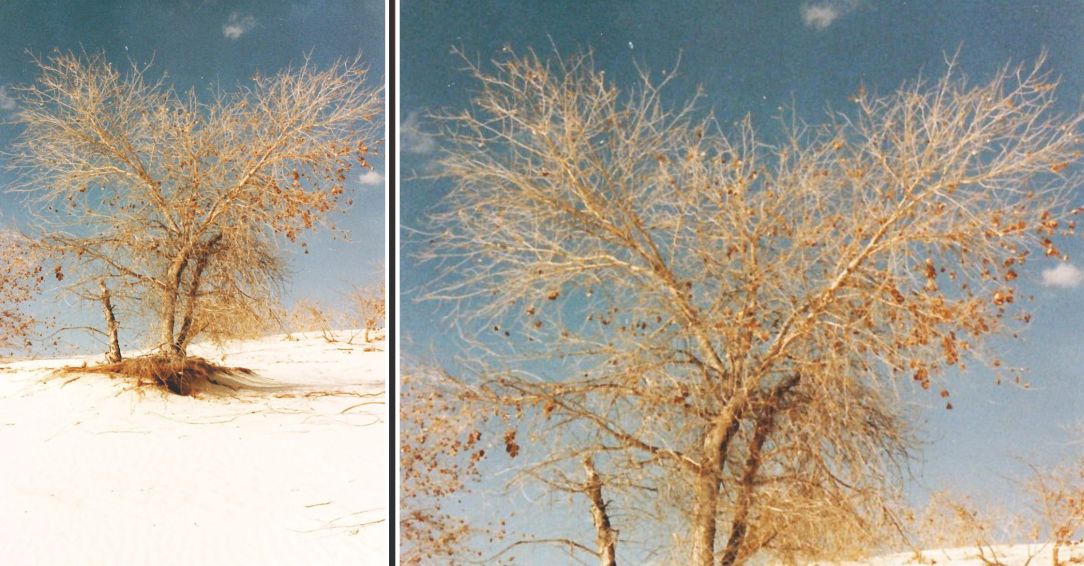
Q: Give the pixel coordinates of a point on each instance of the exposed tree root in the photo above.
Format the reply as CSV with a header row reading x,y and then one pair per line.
x,y
186,376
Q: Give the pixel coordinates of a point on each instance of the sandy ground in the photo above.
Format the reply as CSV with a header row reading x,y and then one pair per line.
x,y
1009,555
94,472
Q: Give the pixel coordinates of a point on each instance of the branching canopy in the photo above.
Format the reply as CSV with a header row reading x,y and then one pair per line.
x,y
728,319
184,197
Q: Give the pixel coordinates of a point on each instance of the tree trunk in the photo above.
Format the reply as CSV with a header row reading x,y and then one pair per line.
x,y
113,355
605,535
706,493
184,336
739,525
203,255
767,410
169,308
706,488
169,305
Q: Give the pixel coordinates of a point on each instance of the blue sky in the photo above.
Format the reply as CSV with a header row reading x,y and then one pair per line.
x,y
200,44
755,58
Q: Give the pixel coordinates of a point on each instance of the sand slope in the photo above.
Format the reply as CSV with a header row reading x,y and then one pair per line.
x,y
1009,555
92,472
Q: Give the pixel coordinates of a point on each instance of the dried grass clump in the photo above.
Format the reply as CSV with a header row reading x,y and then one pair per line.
x,y
187,376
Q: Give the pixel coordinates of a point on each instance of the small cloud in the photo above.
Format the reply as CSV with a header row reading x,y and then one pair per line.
x,y
820,15
372,177
412,139
7,102
238,25
1065,276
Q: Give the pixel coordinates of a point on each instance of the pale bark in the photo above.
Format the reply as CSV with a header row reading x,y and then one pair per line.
x,y
739,525
168,310
185,334
113,355
706,502
707,497
605,535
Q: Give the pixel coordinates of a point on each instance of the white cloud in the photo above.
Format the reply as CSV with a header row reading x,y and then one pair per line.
x,y
238,25
412,139
372,177
7,102
1065,275
820,15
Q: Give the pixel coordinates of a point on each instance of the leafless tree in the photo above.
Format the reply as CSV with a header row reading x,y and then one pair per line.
x,y
1050,521
179,201
362,311
1057,495
729,320
368,305
951,520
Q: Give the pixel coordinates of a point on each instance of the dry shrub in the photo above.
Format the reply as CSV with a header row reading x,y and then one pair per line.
x,y
369,308
441,449
221,325
1054,512
310,316
187,376
1057,500
951,520
364,314
218,319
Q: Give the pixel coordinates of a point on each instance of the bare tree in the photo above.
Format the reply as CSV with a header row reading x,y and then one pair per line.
x,y
1058,498
178,200
1055,513
953,521
729,320
368,304
362,311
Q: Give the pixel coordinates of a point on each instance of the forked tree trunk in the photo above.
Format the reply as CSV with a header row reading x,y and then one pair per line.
x,y
113,355
706,489
716,446
170,291
605,535
739,525
769,408
184,336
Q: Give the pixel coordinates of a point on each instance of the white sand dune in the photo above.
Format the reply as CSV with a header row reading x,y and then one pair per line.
x,y
1008,555
93,472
